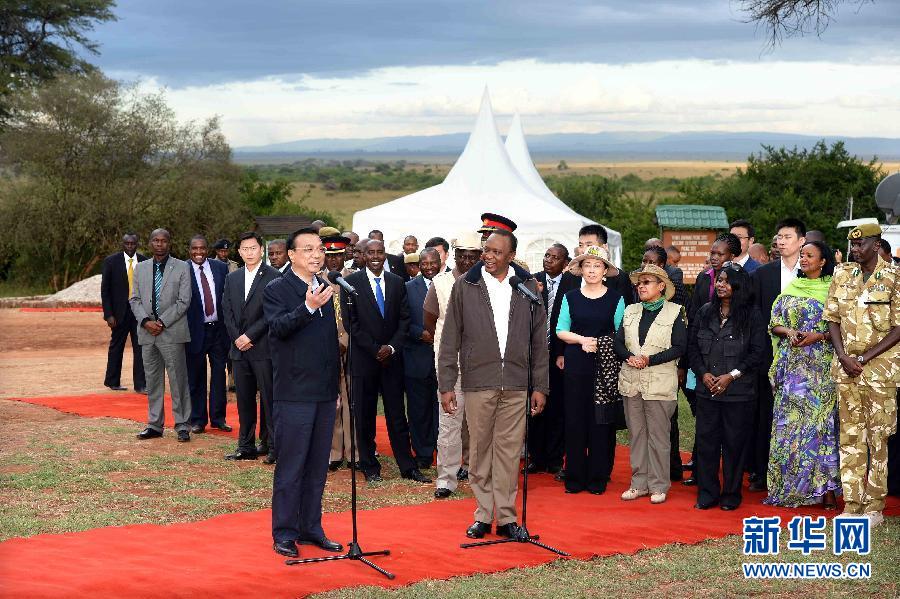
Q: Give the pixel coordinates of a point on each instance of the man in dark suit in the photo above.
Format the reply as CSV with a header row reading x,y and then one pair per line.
x,y
305,362
418,364
248,333
393,262
115,289
378,327
546,443
209,340
769,280
278,255
744,231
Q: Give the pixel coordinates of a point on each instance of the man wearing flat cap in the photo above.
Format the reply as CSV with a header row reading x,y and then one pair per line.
x,y
223,248
863,314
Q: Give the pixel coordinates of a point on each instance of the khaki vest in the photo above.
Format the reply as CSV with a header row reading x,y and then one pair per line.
x,y
654,383
443,285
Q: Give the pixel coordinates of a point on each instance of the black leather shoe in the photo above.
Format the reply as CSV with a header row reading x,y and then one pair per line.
x,y
423,463
462,474
554,470
511,531
116,388
142,391
754,477
149,433
689,482
758,486
688,467
560,476
286,548
705,506
478,530
334,465
323,543
573,491
184,436
241,454
728,508
270,459
442,493
222,427
262,449
373,478
533,468
417,476
198,429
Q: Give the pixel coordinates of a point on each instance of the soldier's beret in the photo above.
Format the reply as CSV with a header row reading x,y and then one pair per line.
x,y
411,258
866,230
222,244
328,232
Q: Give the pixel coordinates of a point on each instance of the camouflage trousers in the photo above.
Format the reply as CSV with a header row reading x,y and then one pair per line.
x,y
868,416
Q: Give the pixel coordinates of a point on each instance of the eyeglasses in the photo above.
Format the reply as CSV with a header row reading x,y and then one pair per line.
x,y
647,282
307,250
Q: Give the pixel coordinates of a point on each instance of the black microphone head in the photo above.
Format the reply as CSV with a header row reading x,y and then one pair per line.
x,y
333,276
514,281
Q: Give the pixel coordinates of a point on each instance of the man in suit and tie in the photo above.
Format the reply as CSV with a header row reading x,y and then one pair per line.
x,y
115,289
546,443
305,361
160,296
393,262
769,280
278,255
378,327
248,333
418,363
743,230
209,340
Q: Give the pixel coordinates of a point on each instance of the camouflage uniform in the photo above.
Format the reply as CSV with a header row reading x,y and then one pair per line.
x,y
866,312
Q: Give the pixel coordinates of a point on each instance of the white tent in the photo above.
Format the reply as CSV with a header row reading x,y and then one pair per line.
x,y
519,155
482,180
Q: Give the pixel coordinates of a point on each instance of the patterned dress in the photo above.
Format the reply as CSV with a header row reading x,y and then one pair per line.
x,y
803,463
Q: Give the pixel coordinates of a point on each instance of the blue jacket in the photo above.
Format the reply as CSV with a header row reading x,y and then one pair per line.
x,y
304,346
418,356
195,314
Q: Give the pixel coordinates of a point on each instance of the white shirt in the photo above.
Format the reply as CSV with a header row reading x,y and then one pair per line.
x,y
742,261
133,261
788,274
500,295
371,276
207,271
427,283
249,275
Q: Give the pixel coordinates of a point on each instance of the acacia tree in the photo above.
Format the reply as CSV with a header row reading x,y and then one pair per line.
x,y
40,39
90,159
793,17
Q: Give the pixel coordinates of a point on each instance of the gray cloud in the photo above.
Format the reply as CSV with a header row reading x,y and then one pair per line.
x,y
194,43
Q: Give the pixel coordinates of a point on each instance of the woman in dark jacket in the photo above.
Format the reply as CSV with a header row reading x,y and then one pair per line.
x,y
726,345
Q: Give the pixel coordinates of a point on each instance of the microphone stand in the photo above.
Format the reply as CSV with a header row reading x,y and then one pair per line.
x,y
354,552
524,536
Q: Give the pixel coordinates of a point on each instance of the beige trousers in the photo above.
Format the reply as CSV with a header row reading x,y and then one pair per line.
x,y
340,438
450,449
496,429
648,446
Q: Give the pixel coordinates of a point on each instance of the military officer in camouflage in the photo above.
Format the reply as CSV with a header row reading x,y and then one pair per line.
x,y
863,314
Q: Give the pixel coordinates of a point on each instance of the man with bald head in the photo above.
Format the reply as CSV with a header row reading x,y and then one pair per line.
x,y
160,298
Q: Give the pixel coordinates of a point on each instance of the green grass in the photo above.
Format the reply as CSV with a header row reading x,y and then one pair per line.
x,y
19,289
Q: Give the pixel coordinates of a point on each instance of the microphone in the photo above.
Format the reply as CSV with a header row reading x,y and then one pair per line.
x,y
519,285
335,277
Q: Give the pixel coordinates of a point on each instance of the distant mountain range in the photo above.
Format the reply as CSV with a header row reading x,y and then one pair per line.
x,y
621,145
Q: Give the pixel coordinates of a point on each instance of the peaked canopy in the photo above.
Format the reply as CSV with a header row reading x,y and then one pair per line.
x,y
482,180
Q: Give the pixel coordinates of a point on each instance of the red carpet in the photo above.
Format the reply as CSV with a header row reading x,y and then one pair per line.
x,y
65,309
133,406
232,555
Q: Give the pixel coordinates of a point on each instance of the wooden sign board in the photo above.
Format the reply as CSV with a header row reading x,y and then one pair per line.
x,y
694,247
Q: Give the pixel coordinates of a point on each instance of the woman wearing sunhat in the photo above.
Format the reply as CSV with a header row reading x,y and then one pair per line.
x,y
588,319
652,338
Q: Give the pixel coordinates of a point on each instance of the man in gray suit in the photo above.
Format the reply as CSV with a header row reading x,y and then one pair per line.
x,y
160,300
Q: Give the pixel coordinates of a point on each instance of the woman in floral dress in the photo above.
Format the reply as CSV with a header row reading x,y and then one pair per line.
x,y
803,466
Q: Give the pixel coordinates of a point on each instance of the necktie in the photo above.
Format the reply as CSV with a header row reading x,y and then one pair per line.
x,y
551,297
208,307
130,275
157,286
379,296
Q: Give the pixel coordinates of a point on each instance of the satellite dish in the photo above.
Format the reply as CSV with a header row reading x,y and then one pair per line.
x,y
887,196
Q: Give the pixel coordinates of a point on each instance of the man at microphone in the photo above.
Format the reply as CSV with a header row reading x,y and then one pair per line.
x,y
488,326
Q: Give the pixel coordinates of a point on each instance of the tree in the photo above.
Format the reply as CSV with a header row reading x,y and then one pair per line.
x,y
261,196
810,184
90,160
40,39
793,17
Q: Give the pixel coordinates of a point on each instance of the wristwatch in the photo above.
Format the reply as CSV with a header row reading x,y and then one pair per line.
x,y
861,360
735,374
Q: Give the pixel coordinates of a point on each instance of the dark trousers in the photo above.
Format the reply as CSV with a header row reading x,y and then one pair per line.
x,y
546,438
763,431
303,437
893,462
723,429
215,348
590,447
250,377
674,447
118,336
389,383
422,410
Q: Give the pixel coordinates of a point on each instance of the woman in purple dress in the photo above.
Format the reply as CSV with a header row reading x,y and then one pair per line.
x,y
803,464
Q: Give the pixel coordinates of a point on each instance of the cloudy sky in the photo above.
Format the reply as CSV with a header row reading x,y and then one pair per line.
x,y
281,70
